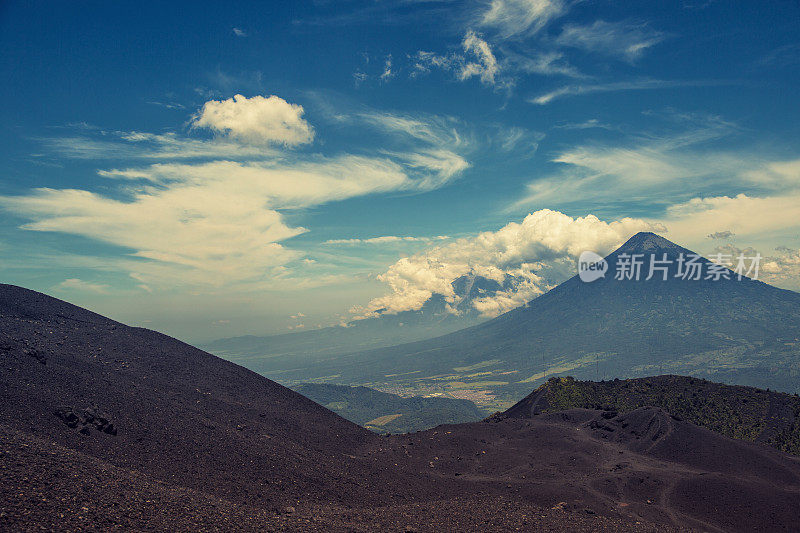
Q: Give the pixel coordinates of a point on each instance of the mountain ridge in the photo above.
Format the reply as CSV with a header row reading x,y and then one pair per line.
x,y
728,330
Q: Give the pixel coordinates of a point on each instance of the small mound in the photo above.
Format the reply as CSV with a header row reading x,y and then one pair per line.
x,y
654,432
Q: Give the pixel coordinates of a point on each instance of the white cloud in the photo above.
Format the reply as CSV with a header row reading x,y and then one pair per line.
x,y
509,139
515,18
75,284
485,67
239,32
635,85
219,222
434,130
539,252
386,239
438,161
545,63
778,174
219,219
477,60
782,268
256,120
613,172
359,78
150,146
740,214
439,166
585,125
387,73
625,40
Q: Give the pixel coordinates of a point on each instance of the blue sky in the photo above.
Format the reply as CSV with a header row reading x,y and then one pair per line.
x,y
213,169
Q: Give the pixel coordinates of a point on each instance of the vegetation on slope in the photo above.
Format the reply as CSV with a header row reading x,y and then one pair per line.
x,y
735,411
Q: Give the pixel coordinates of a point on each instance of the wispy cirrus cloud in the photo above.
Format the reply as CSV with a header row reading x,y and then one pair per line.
x,y
632,85
485,67
624,40
545,63
386,239
665,163
78,285
108,145
520,18
477,59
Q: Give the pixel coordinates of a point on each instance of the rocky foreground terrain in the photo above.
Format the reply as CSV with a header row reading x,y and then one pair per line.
x,y
104,426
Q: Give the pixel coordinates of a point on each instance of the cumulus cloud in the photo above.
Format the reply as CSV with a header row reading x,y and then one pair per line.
x,y
514,18
627,41
782,267
256,120
539,253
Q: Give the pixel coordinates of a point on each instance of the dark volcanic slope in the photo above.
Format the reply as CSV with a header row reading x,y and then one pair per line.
x,y
178,414
108,426
645,463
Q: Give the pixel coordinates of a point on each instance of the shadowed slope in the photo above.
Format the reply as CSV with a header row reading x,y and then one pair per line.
x,y
176,413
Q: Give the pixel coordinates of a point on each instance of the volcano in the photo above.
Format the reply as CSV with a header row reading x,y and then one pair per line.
x,y
718,325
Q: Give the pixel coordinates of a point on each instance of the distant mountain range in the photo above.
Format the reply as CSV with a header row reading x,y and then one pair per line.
x,y
732,330
276,353
388,413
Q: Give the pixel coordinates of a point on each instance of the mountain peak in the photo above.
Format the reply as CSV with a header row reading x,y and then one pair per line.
x,y
648,242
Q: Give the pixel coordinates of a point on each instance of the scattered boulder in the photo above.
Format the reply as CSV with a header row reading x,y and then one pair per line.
x,y
36,354
86,419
